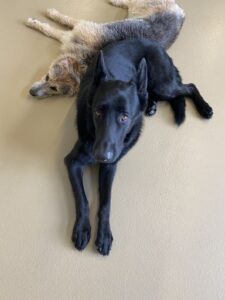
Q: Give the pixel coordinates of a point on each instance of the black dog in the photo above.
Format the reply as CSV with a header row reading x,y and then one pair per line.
x,y
125,80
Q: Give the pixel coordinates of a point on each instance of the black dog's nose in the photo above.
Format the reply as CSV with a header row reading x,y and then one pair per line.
x,y
104,158
32,92
109,155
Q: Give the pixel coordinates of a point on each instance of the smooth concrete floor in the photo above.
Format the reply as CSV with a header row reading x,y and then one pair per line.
x,y
168,208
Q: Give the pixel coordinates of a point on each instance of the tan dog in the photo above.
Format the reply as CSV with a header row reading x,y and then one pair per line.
x,y
159,20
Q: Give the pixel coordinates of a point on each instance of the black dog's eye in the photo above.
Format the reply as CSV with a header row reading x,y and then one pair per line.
x,y
99,114
47,77
53,88
123,118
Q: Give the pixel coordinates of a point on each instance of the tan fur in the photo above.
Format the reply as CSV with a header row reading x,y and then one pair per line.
x,y
81,42
63,75
152,8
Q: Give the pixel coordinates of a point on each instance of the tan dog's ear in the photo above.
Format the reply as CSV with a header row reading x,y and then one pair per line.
x,y
68,66
57,70
71,65
61,65
66,62
76,69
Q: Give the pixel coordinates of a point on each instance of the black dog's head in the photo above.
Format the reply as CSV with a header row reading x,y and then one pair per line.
x,y
116,107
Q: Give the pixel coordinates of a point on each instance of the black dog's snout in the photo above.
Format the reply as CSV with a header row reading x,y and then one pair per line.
x,y
104,157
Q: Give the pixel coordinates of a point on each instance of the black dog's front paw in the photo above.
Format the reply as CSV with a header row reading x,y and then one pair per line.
x,y
104,240
81,233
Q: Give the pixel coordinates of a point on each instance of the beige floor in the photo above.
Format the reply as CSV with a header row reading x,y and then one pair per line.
x,y
168,216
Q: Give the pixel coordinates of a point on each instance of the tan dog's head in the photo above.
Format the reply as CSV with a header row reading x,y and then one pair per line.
x,y
63,78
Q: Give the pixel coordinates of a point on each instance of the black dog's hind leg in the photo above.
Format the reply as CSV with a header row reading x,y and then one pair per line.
x,y
82,230
178,106
151,107
202,107
176,99
104,235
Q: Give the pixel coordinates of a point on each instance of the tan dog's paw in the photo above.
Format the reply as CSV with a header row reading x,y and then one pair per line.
x,y
51,12
118,3
31,21
34,23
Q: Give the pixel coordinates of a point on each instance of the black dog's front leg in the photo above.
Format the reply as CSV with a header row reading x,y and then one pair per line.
x,y
75,161
104,235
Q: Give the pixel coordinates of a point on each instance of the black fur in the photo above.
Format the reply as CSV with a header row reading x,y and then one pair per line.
x,y
122,82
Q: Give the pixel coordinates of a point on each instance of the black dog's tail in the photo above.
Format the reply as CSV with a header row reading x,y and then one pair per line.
x,y
178,106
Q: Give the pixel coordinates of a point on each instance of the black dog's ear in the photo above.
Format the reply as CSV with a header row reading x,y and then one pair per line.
x,y
98,71
142,82
142,77
101,69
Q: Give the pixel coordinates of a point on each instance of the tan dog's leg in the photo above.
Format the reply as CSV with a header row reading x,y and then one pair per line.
x,y
56,16
46,29
85,34
120,3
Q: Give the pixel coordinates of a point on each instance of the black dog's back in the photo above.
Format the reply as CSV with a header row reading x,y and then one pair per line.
x,y
122,59
164,80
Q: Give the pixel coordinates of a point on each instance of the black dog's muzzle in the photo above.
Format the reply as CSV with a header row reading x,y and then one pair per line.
x,y
104,152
